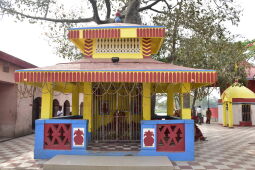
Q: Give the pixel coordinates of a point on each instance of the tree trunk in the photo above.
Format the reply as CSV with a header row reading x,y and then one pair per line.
x,y
132,15
193,110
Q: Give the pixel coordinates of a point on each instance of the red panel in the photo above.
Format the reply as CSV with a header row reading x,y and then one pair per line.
x,y
67,77
158,76
100,77
170,138
78,75
111,78
131,77
166,79
185,77
49,77
108,76
38,76
92,77
157,32
57,136
201,77
43,77
151,76
74,78
178,77
81,76
162,77
147,77
142,77
174,77
103,75
88,76
56,79
135,76
116,76
34,77
28,76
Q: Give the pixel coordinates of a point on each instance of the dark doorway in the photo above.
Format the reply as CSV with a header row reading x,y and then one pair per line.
x,y
36,110
81,108
246,113
66,108
55,107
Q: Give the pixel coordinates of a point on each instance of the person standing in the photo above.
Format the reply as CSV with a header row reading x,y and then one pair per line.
x,y
208,116
59,112
199,115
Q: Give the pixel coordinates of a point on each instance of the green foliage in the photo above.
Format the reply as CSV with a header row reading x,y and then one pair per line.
x,y
197,38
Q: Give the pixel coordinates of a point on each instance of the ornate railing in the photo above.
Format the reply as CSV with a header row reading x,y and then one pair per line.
x,y
57,136
171,137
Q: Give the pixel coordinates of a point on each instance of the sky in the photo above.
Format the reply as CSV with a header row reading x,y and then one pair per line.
x,y
28,42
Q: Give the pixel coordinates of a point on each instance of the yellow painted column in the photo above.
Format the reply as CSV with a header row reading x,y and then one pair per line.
x,y
87,104
47,101
185,111
224,114
170,101
230,115
75,100
146,101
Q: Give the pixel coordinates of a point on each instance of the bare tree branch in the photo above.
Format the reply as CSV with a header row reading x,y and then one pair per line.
x,y
149,6
95,11
108,7
161,12
49,19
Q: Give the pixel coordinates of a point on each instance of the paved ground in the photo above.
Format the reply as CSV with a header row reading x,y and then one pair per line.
x,y
226,149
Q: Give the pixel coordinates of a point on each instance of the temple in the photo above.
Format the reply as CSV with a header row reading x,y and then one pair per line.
x,y
118,80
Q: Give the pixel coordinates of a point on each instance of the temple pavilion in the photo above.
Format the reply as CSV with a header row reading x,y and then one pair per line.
x,y
119,80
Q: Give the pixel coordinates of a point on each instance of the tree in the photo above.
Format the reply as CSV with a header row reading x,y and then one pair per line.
x,y
59,16
196,37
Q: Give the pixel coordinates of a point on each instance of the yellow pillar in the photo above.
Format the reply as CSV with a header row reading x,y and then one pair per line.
x,y
224,114
170,101
146,101
185,110
230,115
87,104
75,100
47,101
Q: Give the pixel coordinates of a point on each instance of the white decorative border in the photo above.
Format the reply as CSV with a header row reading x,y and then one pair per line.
x,y
81,129
153,131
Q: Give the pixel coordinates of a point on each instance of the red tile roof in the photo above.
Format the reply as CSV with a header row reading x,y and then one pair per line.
x,y
123,65
16,61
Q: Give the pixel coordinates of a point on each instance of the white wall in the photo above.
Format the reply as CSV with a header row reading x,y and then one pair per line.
x,y
220,113
237,113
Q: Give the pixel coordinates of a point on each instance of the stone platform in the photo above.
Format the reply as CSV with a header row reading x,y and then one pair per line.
x,y
66,162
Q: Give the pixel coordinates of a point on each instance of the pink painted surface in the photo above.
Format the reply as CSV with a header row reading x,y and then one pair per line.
x,y
214,112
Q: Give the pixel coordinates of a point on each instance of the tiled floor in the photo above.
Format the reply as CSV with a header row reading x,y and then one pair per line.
x,y
226,149
114,147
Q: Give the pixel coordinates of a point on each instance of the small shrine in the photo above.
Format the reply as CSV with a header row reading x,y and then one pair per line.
x,y
236,106
118,80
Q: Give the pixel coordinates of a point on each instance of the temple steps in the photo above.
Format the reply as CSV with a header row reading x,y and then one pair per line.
x,y
76,162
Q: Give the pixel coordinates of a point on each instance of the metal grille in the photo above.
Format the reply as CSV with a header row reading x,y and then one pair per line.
x,y
246,113
117,111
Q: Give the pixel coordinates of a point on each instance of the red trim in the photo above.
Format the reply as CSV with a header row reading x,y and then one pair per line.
x,y
245,123
243,100
150,32
161,77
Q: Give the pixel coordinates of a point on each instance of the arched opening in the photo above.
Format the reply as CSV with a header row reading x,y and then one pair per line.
x,y
55,107
66,108
81,108
36,110
246,113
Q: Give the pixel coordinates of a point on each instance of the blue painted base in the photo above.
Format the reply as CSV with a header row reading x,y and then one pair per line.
x,y
173,156
188,155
